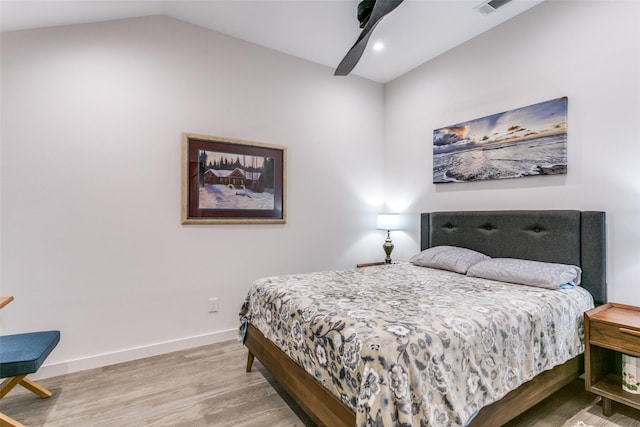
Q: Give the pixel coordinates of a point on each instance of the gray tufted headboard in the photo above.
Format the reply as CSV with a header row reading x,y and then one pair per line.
x,y
562,236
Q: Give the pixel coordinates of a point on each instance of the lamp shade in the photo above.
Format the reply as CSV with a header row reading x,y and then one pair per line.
x,y
387,221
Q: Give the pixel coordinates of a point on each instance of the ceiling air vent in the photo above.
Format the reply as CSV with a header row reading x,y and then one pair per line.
x,y
487,7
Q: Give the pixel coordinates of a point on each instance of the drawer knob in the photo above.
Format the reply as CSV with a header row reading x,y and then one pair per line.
x,y
630,332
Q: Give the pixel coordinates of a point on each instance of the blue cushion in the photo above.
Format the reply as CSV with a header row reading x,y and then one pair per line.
x,y
23,354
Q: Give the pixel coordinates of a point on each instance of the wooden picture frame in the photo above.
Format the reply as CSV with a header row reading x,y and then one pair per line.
x,y
227,181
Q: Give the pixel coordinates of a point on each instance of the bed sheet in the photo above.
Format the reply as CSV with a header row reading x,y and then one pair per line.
x,y
411,346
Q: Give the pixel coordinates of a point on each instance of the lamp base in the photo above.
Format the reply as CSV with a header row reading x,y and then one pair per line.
x,y
388,247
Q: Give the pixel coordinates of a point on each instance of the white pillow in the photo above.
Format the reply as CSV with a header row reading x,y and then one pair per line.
x,y
524,272
450,258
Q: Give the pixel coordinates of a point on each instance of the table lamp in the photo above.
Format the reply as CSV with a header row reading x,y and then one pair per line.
x,y
388,222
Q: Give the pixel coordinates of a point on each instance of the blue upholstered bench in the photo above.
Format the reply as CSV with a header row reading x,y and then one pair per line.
x,y
21,355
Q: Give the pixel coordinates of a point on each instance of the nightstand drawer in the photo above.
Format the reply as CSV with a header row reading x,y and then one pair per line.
x,y
624,339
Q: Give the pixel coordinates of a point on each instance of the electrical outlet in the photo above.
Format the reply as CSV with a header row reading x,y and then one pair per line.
x,y
214,305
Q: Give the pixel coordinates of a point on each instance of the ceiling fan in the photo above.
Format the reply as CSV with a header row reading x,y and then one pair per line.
x,y
370,13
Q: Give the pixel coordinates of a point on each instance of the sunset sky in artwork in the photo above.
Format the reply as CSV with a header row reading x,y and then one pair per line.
x,y
545,118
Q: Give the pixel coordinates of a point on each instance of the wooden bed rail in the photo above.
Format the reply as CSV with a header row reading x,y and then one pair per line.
x,y
327,410
322,406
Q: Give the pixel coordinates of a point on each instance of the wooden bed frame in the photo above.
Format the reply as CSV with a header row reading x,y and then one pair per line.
x,y
568,237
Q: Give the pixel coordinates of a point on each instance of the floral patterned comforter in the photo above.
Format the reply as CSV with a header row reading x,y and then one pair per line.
x,y
414,346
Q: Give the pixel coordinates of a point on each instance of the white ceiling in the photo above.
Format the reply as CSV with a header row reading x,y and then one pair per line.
x,y
321,31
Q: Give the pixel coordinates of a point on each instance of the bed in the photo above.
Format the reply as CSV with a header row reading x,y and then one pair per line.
x,y
565,237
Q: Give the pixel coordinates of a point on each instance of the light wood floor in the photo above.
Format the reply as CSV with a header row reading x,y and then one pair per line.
x,y
205,386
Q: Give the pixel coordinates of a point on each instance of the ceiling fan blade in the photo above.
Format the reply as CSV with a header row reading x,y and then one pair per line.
x,y
352,57
350,60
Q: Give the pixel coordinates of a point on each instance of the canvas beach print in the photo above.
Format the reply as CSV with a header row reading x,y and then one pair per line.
x,y
526,141
227,181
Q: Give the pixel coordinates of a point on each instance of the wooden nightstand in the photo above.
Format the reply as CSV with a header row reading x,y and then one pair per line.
x,y
609,329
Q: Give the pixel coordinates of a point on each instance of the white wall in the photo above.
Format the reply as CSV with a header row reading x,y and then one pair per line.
x,y
588,51
92,244
91,122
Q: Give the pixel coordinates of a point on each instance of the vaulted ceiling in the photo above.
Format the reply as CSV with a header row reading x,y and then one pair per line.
x,y
321,31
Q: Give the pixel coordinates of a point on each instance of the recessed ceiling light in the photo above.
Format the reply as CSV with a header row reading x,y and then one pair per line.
x,y
378,46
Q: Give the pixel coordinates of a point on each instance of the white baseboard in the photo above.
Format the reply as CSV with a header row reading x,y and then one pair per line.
x,y
100,360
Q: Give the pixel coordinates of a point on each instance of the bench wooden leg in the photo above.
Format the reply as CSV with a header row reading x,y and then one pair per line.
x,y
35,388
7,421
9,383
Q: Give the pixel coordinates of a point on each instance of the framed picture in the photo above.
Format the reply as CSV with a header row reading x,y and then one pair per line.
x,y
526,141
231,181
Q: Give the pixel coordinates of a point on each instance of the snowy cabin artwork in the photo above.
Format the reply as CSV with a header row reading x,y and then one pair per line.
x,y
232,181
235,182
